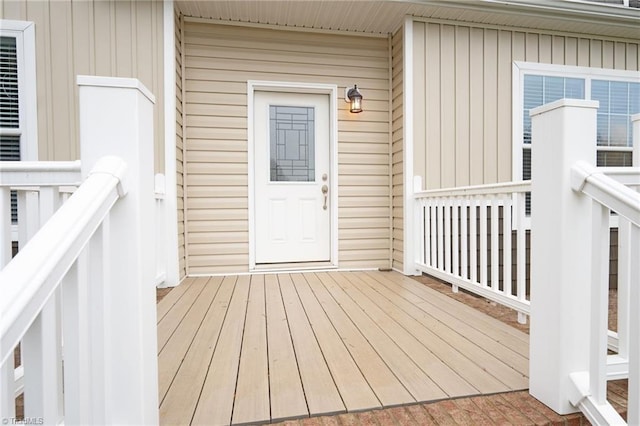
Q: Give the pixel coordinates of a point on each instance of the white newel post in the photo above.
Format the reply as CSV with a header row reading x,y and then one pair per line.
x,y
116,118
563,133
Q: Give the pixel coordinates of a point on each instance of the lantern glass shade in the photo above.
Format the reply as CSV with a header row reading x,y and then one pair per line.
x,y
355,99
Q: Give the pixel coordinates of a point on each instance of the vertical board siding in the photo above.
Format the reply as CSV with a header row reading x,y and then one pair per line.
x,y
397,140
182,271
463,124
219,60
105,38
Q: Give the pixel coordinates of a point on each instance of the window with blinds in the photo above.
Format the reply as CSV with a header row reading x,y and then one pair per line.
x,y
618,97
619,100
9,108
540,90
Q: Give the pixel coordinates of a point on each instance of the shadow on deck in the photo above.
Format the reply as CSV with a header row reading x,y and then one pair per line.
x,y
261,348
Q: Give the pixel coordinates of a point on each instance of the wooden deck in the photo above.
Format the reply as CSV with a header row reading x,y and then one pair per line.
x,y
261,348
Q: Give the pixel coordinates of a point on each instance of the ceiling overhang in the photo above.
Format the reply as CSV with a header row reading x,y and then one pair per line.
x,y
376,17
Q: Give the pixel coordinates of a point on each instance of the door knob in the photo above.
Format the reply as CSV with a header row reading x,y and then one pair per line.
x,y
325,191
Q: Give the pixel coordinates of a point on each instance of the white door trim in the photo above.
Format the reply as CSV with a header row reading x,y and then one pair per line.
x,y
311,88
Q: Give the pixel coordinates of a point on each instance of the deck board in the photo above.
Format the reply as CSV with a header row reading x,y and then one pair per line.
x,y
170,322
384,383
252,392
172,353
261,348
436,368
356,392
421,386
287,395
180,401
516,340
216,400
319,388
406,315
440,322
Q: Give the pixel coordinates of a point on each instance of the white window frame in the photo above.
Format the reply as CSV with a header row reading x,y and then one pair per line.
x,y
520,69
24,33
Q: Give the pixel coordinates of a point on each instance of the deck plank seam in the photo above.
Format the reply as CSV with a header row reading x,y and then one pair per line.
x,y
244,325
373,346
333,373
452,329
195,410
195,334
421,290
332,318
295,352
418,340
490,340
341,341
315,336
384,332
202,286
445,341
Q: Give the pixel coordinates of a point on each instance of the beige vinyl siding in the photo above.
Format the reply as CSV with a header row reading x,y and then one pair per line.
x,y
182,268
463,123
105,38
397,141
219,61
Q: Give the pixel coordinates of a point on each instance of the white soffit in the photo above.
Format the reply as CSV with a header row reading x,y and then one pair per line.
x,y
385,17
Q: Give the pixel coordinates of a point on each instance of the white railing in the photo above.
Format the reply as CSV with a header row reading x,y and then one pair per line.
x,y
41,188
32,294
570,219
609,194
618,339
79,295
474,238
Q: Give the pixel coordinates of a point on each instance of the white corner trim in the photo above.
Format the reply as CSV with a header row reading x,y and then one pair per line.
x,y
170,170
250,174
294,87
407,149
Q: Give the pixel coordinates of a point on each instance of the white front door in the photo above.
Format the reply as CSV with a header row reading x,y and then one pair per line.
x,y
292,172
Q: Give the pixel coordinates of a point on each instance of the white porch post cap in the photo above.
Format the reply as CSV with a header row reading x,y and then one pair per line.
x,y
579,103
118,82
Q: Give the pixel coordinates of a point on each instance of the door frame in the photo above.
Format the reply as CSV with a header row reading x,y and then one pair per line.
x,y
304,88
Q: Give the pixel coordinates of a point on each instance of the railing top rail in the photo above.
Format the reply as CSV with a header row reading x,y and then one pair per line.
x,y
606,190
489,189
29,280
39,173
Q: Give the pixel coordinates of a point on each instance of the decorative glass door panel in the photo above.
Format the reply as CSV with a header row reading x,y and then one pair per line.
x,y
292,143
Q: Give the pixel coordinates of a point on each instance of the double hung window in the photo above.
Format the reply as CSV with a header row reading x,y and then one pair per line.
x,y
618,94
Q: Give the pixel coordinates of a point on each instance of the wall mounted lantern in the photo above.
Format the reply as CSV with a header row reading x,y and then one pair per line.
x,y
353,96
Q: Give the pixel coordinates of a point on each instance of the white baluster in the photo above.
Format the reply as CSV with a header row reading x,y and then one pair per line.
x,y
464,246
495,243
506,244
